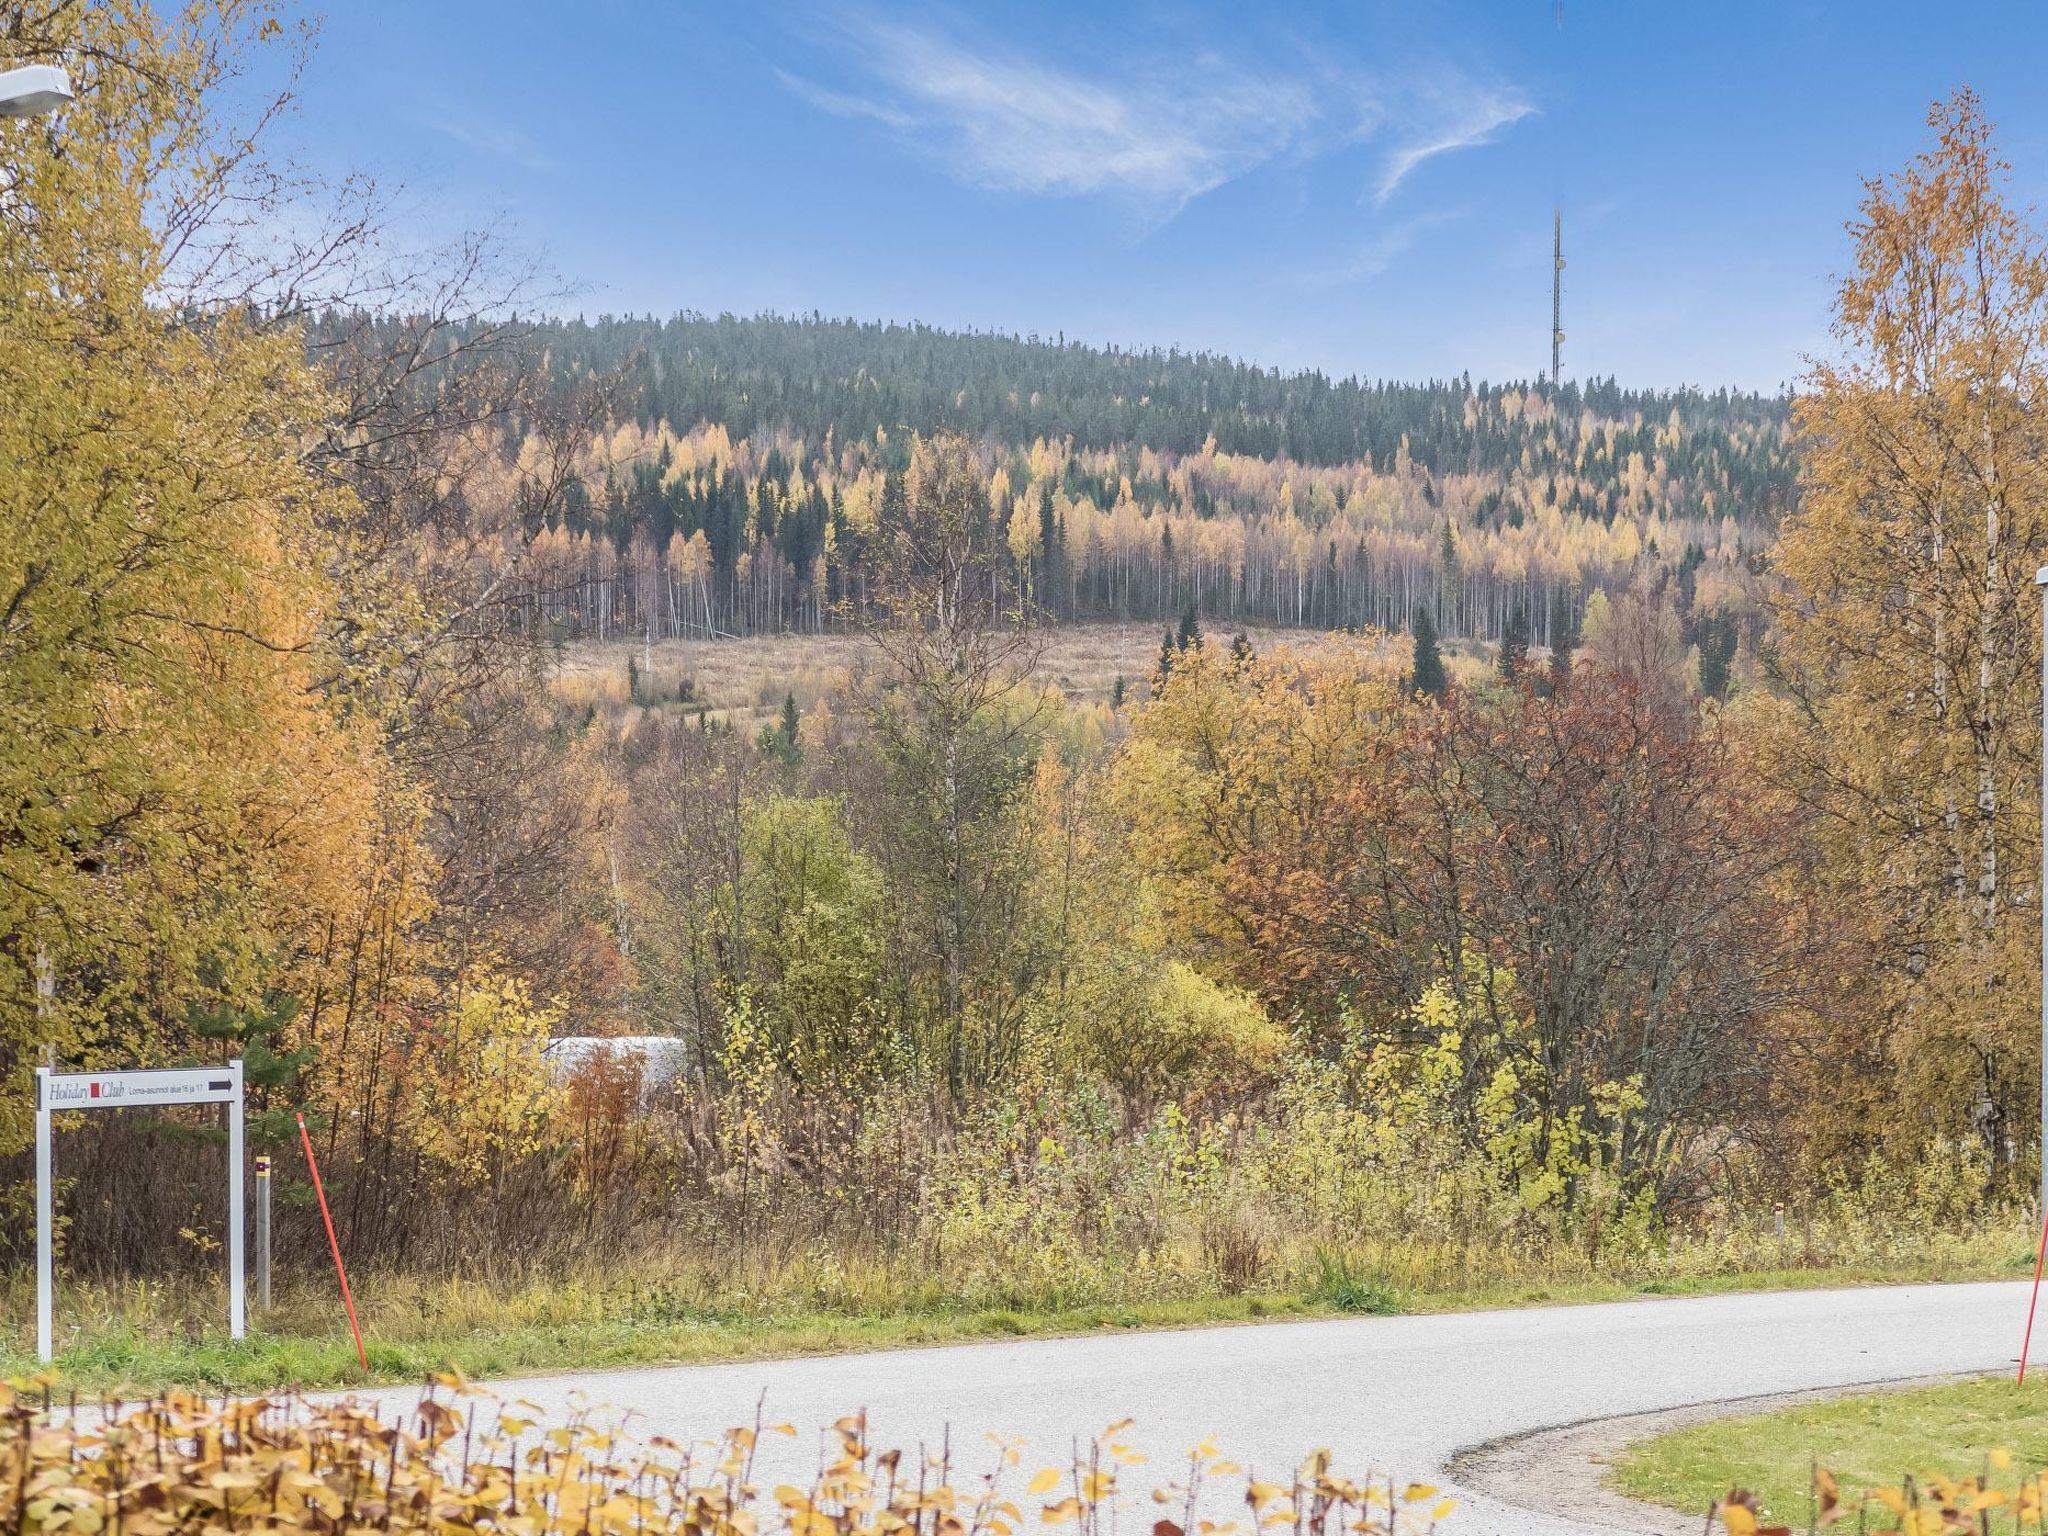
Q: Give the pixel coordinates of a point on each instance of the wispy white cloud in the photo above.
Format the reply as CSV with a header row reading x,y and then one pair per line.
x,y
1000,120
1160,131
500,141
843,103
1465,118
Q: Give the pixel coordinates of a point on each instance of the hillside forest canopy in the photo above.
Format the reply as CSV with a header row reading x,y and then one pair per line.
x,y
751,462
1625,819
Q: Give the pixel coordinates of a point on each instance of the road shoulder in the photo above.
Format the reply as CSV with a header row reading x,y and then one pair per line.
x,y
1562,1470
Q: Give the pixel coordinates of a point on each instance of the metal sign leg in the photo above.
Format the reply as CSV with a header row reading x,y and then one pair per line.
x,y
238,1213
43,1261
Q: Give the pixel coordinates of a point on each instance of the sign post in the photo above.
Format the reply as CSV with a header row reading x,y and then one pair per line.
x,y
43,1264
263,1233
144,1089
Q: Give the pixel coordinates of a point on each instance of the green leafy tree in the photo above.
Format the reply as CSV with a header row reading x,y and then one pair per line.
x,y
814,913
955,730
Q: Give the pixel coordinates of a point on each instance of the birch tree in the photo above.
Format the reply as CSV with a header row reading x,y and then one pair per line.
x,y
1910,634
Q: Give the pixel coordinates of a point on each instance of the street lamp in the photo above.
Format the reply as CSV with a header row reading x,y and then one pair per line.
x,y
33,90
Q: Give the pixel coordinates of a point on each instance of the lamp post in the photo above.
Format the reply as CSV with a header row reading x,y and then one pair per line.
x,y
32,90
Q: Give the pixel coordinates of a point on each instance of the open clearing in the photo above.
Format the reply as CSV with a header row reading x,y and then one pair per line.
x,y
745,680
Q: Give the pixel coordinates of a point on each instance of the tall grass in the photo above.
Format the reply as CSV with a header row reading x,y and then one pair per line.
x,y
868,1234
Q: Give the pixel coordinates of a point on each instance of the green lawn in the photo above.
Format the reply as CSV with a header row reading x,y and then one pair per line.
x,y
120,1341
128,1362
1867,1440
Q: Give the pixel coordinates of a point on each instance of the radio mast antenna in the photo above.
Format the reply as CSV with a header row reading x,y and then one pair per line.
x,y
1556,292
1557,296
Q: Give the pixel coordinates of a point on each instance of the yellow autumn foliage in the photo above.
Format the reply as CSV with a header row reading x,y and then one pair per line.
x,y
185,797
1183,1036
485,1096
462,1461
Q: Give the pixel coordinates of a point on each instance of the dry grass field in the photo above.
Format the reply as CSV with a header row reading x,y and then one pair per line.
x,y
744,681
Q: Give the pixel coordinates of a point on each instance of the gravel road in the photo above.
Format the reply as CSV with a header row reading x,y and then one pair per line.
x,y
1404,1394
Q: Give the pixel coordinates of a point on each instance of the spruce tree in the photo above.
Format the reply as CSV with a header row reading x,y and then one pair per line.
x,y
1564,640
1447,579
1514,644
1717,650
1048,554
1165,668
1190,636
1429,676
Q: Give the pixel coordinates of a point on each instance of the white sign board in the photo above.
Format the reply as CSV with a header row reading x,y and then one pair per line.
x,y
59,1092
119,1090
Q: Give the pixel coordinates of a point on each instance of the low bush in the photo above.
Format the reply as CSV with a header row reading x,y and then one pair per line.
x,y
1993,1500
464,1462
1338,1283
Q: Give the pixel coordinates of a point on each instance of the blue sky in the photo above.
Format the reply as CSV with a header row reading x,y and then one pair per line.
x,y
1360,187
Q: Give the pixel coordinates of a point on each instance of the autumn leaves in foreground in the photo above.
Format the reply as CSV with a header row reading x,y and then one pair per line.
x,y
462,1461
1991,1501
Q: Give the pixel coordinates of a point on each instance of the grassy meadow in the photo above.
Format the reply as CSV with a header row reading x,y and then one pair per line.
x,y
744,681
1867,1441
119,1340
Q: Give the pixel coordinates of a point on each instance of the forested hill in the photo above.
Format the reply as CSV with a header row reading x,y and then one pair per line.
x,y
746,464
852,378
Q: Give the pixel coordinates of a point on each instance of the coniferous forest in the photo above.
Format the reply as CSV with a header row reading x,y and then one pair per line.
x,y
744,467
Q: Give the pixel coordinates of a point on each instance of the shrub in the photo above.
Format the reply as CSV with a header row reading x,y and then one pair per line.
x,y
462,1462
1187,1039
1339,1285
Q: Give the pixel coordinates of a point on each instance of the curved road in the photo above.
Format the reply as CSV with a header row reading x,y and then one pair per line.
x,y
1402,1394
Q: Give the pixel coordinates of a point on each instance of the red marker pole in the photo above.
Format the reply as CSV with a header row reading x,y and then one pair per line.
x,y
334,1243
2028,1337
